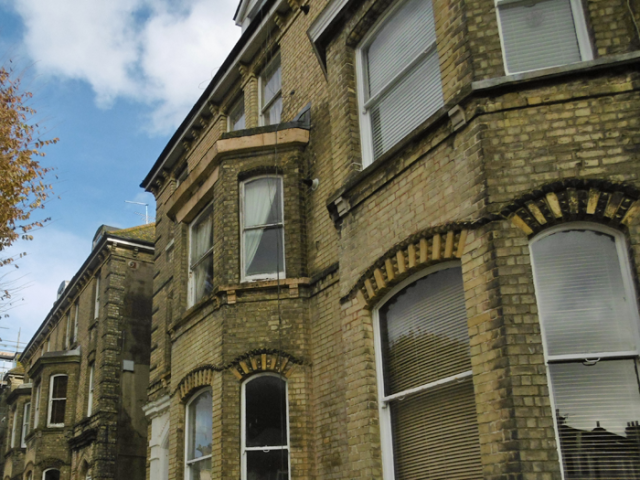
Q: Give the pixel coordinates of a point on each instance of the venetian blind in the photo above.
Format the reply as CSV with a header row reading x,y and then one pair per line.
x,y
538,34
404,86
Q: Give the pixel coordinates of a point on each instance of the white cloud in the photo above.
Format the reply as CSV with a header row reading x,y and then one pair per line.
x,y
150,51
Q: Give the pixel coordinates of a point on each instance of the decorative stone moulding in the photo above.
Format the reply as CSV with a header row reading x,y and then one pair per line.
x,y
419,251
574,200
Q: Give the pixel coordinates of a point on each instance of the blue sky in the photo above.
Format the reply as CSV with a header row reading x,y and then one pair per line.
x,y
112,79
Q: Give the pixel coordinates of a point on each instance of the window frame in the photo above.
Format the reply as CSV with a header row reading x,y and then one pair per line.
x,y
188,463
234,107
210,251
52,399
243,448
76,312
91,389
36,408
386,428
629,288
67,335
14,428
96,303
362,71
579,22
44,473
243,267
26,417
261,78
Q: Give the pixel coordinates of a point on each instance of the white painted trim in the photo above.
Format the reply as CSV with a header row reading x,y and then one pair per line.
x,y
36,408
51,399
187,463
627,279
582,34
324,19
26,417
157,407
44,474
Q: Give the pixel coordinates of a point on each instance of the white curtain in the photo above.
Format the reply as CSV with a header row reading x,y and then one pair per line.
x,y
201,242
259,197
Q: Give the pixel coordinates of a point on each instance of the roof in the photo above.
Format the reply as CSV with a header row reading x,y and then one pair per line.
x,y
145,233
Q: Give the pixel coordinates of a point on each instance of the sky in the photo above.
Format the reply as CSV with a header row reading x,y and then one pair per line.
x,y
112,79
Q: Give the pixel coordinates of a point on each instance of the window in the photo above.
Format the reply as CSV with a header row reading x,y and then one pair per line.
x,y
90,399
30,476
265,428
271,93
67,337
36,411
236,116
26,414
201,256
262,229
427,405
96,306
399,83
541,34
199,436
14,428
48,344
589,318
57,400
74,339
51,474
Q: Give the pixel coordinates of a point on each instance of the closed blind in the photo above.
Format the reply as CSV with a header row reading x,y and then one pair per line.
x,y
538,34
403,74
581,296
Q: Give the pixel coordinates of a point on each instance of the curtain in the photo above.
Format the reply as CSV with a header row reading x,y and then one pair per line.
x,y
201,243
259,198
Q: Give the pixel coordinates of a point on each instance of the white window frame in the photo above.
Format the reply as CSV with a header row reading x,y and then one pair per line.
x,y
75,324
51,400
91,389
364,106
44,474
235,106
244,448
188,463
582,34
14,427
36,408
243,268
191,289
26,416
67,335
627,279
386,431
263,108
96,305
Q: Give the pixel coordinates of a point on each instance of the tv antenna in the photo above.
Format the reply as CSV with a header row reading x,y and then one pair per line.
x,y
146,210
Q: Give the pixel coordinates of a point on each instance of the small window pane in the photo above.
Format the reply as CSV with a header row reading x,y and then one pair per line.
x,y
202,235
52,475
237,116
273,114
538,34
201,470
262,202
203,278
57,411
272,465
266,415
60,387
200,427
271,81
269,251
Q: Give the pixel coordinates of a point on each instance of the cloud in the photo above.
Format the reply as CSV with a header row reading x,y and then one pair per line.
x,y
155,52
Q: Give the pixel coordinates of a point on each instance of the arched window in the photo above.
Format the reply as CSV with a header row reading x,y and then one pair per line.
x,y
265,428
428,416
57,400
199,436
51,474
589,317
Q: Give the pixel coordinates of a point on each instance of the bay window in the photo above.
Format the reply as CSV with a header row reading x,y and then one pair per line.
x,y
57,400
399,83
542,33
199,423
427,405
589,318
271,93
262,228
201,255
26,414
265,428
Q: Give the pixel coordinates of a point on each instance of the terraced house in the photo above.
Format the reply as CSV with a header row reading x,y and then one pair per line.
x,y
75,401
399,239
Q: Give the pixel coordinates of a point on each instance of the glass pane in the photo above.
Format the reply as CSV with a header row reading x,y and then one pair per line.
x,y
265,410
274,113
52,475
581,295
57,411
271,81
263,201
200,470
264,251
538,34
598,413
435,434
402,38
237,116
203,278
60,387
273,465
200,427
424,332
202,235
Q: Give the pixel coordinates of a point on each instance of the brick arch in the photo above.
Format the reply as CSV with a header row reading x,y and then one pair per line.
x,y
612,204
426,248
197,378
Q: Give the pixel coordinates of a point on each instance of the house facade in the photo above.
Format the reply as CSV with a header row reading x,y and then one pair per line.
x,y
77,410
399,239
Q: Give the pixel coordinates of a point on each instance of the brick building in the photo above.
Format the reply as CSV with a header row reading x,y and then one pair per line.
x,y
75,411
400,239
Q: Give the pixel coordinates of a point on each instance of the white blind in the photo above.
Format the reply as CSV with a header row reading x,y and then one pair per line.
x,y
538,34
581,296
404,86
